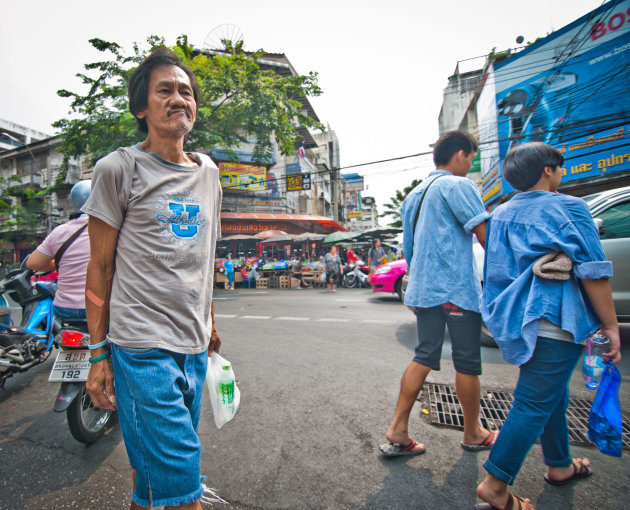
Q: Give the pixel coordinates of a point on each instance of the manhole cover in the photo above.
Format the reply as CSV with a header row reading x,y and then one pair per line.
x,y
445,410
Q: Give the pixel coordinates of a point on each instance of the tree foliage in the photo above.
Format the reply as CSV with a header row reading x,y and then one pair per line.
x,y
393,207
23,210
239,102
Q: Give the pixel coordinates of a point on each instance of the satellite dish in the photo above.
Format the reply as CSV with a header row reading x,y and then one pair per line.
x,y
520,39
216,38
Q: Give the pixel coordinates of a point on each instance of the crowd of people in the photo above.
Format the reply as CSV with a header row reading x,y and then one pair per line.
x,y
149,334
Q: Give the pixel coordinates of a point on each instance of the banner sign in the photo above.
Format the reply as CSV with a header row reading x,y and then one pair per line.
x,y
569,90
243,177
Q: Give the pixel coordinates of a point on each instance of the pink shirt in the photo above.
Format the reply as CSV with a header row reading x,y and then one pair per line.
x,y
73,264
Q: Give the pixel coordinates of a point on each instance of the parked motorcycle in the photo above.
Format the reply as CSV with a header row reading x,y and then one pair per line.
x,y
86,422
30,343
356,276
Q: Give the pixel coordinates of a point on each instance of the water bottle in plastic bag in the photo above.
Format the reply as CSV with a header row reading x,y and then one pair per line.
x,y
225,396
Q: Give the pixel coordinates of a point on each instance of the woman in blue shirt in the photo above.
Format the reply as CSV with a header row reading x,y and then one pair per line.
x,y
228,264
541,324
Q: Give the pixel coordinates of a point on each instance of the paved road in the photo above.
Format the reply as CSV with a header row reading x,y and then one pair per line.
x,y
319,376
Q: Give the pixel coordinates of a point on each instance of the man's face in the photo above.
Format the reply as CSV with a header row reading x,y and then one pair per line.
x,y
377,244
464,163
171,109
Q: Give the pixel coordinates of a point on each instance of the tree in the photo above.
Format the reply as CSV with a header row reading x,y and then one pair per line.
x,y
239,101
393,207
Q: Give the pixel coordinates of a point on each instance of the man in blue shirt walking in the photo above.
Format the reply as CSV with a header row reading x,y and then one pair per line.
x,y
443,288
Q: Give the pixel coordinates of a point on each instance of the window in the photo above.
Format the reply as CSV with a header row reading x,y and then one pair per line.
x,y
616,221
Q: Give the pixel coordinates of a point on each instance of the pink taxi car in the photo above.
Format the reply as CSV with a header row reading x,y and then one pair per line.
x,y
388,277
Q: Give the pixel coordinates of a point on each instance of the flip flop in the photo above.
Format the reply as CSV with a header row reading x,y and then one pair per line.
x,y
398,450
509,506
581,472
486,444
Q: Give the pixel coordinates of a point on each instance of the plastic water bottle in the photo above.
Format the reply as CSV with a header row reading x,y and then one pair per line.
x,y
593,363
226,388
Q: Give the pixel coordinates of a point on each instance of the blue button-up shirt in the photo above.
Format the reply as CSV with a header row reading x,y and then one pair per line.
x,y
440,253
530,225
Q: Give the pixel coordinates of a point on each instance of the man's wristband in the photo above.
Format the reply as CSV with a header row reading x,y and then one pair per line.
x,y
102,343
99,358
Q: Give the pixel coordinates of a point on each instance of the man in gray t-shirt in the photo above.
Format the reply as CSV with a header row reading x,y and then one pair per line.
x,y
153,223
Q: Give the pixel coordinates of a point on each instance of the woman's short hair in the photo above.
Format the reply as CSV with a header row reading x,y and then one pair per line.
x,y
524,164
139,82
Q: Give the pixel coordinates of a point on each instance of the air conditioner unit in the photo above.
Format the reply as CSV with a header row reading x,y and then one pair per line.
x,y
321,195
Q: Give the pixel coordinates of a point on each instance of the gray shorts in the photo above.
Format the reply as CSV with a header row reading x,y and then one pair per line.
x,y
464,329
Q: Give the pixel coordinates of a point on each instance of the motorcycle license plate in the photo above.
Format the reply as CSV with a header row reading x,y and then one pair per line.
x,y
71,366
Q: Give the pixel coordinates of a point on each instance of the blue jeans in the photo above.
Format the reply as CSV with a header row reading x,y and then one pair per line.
x,y
230,277
158,397
68,313
539,410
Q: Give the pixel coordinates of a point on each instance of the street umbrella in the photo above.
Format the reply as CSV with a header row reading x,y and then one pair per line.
x,y
279,238
337,237
266,234
308,236
377,232
238,237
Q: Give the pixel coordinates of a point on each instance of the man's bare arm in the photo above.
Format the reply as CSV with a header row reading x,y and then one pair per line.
x,y
600,296
98,287
480,232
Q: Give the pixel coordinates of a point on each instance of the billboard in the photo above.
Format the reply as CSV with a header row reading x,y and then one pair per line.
x,y
239,176
569,90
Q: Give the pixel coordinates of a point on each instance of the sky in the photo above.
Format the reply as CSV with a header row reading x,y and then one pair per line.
x,y
382,66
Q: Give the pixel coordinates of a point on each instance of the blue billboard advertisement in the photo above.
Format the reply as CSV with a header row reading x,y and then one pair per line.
x,y
570,90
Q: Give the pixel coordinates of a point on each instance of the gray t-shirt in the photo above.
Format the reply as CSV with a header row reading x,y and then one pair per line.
x,y
168,218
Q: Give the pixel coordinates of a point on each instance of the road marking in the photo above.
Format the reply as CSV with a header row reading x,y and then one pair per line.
x,y
371,321
354,300
221,298
261,317
293,318
333,320
224,316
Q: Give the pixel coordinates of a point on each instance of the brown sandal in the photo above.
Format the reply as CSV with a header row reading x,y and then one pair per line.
x,y
509,506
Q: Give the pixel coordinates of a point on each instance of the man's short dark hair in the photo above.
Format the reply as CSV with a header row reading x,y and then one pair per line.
x,y
139,82
450,143
524,164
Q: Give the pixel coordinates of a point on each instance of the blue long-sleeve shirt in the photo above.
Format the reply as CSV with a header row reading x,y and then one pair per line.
x,y
439,254
519,232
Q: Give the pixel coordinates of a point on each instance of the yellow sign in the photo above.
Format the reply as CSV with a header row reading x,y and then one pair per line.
x,y
355,214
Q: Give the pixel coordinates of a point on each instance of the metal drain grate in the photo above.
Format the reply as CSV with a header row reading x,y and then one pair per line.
x,y
445,410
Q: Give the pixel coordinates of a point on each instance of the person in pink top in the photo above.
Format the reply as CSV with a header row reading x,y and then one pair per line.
x,y
69,300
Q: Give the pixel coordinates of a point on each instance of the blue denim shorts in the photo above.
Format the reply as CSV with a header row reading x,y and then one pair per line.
x,y
158,396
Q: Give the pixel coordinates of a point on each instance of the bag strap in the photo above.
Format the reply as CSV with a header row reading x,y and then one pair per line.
x,y
424,194
62,249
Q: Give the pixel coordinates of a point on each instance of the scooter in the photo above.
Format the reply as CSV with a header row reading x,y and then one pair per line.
x,y
86,422
30,343
357,276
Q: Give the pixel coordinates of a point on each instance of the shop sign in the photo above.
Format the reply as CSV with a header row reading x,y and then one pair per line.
x,y
246,228
298,182
355,214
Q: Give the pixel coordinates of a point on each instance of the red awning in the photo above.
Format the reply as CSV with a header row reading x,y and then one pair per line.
x,y
306,221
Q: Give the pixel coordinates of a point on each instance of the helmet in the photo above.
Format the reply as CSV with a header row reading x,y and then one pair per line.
x,y
80,193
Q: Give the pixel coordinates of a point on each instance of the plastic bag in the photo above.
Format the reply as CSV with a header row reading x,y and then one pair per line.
x,y
604,421
322,277
225,396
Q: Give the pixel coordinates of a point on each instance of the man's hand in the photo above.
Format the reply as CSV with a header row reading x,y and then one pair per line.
x,y
215,339
100,385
